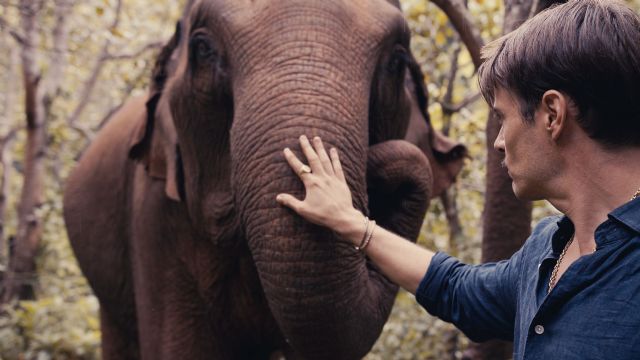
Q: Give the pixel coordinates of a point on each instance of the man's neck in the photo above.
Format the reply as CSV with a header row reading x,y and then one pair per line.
x,y
595,183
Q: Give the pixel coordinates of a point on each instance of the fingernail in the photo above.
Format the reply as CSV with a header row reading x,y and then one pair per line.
x,y
333,151
286,150
303,137
317,138
278,197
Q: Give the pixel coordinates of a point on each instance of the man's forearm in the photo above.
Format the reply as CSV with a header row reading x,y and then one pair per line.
x,y
402,261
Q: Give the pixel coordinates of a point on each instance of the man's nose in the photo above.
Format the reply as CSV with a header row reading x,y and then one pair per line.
x,y
498,144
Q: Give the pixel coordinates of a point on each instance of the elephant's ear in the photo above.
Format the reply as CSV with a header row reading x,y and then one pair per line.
x,y
154,139
154,143
448,155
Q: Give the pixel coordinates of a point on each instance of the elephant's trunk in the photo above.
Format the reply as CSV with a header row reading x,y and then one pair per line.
x,y
399,183
319,289
328,301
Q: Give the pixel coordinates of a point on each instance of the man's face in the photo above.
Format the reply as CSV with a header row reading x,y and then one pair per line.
x,y
528,148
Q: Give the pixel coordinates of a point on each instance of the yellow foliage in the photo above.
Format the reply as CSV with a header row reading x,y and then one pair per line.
x,y
63,322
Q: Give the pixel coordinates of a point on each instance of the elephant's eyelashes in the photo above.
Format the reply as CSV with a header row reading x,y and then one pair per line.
x,y
207,65
202,50
398,61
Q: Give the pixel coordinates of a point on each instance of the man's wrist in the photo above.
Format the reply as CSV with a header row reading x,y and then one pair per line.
x,y
351,227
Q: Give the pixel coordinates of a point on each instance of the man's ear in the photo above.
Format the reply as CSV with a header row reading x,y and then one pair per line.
x,y
554,107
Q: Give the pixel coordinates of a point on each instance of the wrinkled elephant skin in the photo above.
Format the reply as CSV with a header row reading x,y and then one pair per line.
x,y
171,211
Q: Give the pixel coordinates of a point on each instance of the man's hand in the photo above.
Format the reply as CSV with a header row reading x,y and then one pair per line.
x,y
328,198
328,203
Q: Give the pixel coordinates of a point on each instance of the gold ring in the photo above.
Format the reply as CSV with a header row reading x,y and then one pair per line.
x,y
304,169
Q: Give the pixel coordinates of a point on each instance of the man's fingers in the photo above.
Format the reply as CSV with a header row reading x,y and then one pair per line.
x,y
337,167
322,155
312,157
290,202
298,166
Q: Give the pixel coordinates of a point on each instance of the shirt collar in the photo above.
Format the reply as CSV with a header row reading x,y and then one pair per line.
x,y
562,235
628,214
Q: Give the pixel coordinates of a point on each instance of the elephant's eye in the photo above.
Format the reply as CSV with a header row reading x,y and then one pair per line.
x,y
398,60
202,49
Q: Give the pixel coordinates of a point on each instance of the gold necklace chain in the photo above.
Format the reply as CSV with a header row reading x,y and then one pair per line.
x,y
554,273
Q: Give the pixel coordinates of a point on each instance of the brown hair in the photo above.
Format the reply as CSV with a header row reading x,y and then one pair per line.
x,y
587,49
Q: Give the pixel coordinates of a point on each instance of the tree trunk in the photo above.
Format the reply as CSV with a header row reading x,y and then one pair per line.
x,y
5,162
39,96
18,282
22,265
5,159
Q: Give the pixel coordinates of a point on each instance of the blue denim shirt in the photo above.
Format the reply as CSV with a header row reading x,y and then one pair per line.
x,y
592,313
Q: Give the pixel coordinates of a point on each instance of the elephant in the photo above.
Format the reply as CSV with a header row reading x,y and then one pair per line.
x,y
171,209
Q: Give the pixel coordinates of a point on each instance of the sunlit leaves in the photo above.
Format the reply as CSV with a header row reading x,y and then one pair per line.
x,y
63,323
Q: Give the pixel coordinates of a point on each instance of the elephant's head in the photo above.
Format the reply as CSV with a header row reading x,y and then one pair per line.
x,y
248,78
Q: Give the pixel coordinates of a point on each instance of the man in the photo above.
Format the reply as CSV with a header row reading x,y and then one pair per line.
x,y
566,88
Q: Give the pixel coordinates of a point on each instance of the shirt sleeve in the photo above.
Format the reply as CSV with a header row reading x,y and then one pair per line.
x,y
480,300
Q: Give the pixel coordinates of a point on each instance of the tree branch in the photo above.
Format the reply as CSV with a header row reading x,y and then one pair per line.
x,y
535,4
516,12
107,116
90,84
87,89
116,19
133,55
85,132
448,96
454,108
462,21
8,137
58,61
4,25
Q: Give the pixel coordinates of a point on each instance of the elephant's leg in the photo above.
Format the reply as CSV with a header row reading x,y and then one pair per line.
x,y
173,324
173,320
194,300
116,344
182,314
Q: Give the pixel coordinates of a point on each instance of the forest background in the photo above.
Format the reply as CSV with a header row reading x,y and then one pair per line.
x,y
87,57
